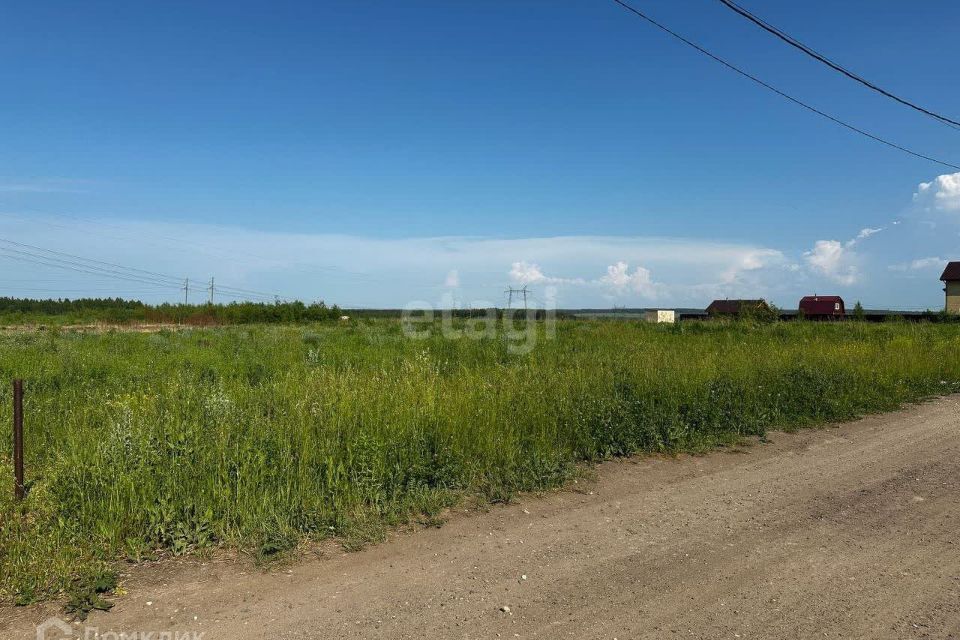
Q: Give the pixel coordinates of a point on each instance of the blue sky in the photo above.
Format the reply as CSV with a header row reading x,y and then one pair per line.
x,y
383,153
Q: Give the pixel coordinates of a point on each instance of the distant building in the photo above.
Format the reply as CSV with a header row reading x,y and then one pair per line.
x,y
951,287
822,307
735,308
660,315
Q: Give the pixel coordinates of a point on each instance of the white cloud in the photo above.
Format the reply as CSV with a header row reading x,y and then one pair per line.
x,y
382,271
834,260
837,260
918,264
735,273
620,280
940,194
864,233
753,260
453,279
523,272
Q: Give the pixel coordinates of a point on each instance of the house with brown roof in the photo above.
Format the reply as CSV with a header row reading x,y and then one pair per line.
x,y
822,307
736,308
951,287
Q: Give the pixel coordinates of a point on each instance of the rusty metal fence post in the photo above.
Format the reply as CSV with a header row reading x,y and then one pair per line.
x,y
18,488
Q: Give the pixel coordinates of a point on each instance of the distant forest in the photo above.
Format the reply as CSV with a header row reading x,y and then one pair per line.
x,y
118,310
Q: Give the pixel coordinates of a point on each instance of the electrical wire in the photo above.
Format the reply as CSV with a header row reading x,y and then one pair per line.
x,y
766,26
16,254
153,277
152,274
766,85
69,262
86,292
88,269
180,244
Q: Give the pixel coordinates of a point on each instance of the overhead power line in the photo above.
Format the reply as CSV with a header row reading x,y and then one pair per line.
x,y
766,26
264,294
179,244
780,93
85,292
33,254
89,265
24,256
151,274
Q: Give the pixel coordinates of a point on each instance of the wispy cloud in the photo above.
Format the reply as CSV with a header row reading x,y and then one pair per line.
x,y
919,264
354,270
376,271
735,272
42,185
523,272
864,234
452,280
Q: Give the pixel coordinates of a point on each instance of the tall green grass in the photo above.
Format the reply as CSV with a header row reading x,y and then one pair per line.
x,y
258,437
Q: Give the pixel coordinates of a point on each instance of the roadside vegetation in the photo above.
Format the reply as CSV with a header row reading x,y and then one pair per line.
x,y
261,437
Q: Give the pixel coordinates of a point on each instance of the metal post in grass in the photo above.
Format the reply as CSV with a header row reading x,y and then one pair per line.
x,y
18,488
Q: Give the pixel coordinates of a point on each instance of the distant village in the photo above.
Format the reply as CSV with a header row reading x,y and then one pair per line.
x,y
811,307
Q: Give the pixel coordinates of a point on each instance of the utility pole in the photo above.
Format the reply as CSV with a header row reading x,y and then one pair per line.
x,y
210,289
186,291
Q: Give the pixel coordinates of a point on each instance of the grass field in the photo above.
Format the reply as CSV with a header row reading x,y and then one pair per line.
x,y
260,437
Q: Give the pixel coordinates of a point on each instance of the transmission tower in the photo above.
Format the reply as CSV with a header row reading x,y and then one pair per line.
x,y
210,289
519,293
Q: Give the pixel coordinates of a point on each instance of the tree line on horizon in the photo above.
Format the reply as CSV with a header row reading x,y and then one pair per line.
x,y
119,310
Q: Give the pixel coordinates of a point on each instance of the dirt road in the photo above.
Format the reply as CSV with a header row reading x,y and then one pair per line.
x,y
843,532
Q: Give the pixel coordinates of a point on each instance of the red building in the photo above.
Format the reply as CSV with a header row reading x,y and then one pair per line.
x,y
822,307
